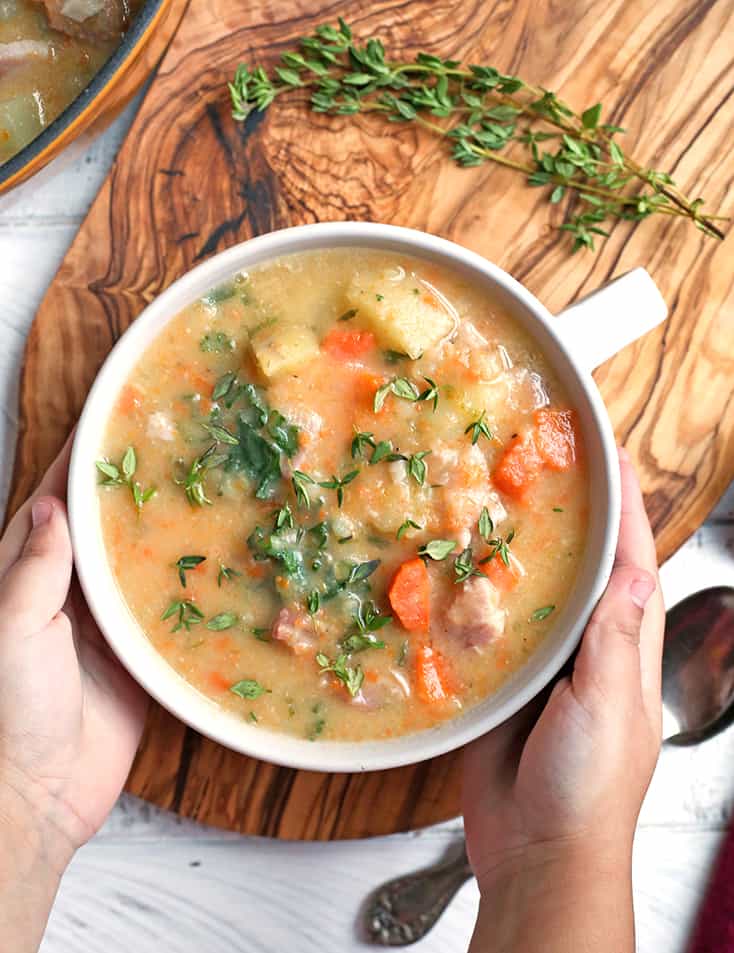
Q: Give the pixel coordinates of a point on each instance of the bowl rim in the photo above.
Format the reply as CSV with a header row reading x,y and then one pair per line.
x,y
194,709
95,88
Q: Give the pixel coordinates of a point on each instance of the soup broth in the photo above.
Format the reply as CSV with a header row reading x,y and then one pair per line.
x,y
49,52
344,495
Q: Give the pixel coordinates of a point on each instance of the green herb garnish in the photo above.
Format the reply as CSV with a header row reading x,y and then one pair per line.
x,y
261,634
284,517
348,315
360,442
400,387
403,653
384,451
542,613
123,476
226,573
216,342
224,620
464,566
479,428
313,602
393,357
404,527
481,113
499,547
193,483
417,468
430,393
300,483
188,614
338,484
185,563
220,434
558,509
437,549
248,688
485,525
350,676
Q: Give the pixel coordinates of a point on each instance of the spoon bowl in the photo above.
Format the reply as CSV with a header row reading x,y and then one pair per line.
x,y
698,666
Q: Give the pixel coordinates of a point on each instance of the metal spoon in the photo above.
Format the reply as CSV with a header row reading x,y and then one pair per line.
x,y
698,697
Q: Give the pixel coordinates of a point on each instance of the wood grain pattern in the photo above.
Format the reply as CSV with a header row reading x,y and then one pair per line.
x,y
189,182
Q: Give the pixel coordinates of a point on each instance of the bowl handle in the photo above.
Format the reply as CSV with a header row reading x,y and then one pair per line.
x,y
601,324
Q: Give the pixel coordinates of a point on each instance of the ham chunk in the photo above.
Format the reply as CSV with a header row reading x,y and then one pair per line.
x,y
88,19
295,629
475,618
464,474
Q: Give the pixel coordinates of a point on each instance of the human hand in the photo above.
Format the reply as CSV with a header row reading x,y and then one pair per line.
x,y
70,716
562,794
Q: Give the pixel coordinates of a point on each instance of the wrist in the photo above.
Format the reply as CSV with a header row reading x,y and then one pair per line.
x,y
33,830
556,896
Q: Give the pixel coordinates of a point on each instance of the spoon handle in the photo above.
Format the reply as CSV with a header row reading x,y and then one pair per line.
x,y
403,910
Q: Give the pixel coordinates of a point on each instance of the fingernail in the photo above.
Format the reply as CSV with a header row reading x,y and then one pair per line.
x,y
641,590
41,513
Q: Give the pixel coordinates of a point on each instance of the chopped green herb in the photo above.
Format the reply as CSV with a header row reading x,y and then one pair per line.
x,y
216,342
318,727
185,563
320,534
313,601
404,527
479,428
348,315
417,468
253,717
300,481
437,549
360,641
380,297
248,688
400,387
338,484
123,476
558,509
225,620
360,442
416,291
188,614
223,386
403,653
384,451
257,457
261,634
430,393
485,525
284,517
360,572
499,547
393,357
226,573
194,481
221,434
350,676
464,566
222,293
542,613
368,618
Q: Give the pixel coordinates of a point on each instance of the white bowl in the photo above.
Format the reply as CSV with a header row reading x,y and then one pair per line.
x,y
573,342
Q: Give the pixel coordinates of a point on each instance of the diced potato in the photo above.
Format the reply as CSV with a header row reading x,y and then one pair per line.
x,y
404,316
281,348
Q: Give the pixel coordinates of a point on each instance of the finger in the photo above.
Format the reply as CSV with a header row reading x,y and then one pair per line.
x,y
52,484
636,548
35,587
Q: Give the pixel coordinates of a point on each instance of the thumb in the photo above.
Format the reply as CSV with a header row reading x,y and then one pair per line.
x,y
609,657
35,587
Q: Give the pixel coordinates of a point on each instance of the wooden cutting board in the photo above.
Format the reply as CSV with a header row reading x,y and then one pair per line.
x,y
189,182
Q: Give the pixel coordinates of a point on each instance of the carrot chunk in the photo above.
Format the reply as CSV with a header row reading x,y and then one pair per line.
x,y
502,577
519,467
347,345
130,400
431,675
217,682
410,595
555,438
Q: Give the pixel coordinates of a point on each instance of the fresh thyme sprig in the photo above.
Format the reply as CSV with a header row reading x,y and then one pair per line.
x,y
485,115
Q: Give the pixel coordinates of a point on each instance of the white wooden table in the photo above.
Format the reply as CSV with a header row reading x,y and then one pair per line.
x,y
151,882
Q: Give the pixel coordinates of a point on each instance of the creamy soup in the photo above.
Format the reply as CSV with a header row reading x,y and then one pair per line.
x,y
344,495
49,51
